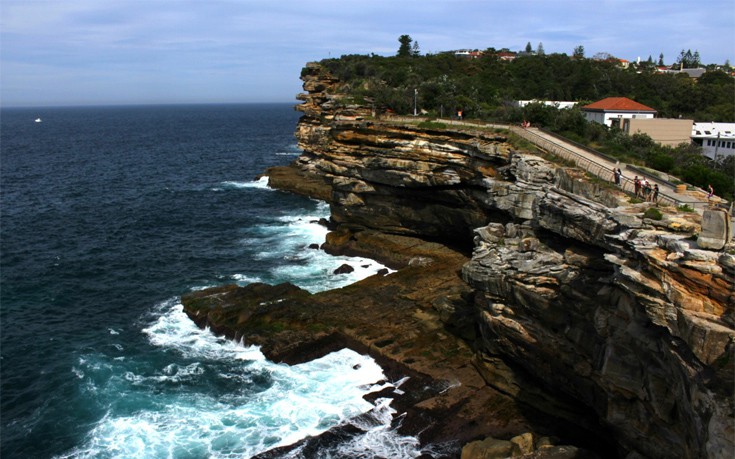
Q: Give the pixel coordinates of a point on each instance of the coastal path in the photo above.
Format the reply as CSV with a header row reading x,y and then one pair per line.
x,y
597,164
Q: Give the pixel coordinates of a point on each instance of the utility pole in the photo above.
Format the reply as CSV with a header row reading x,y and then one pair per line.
x,y
415,96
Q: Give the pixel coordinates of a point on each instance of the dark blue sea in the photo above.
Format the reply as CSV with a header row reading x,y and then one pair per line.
x,y
107,216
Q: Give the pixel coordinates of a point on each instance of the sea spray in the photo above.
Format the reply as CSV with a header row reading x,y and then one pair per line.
x,y
172,411
109,211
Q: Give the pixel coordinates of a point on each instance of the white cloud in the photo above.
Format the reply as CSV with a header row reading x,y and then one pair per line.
x,y
245,40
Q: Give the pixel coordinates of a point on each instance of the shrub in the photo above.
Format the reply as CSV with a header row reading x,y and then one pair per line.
x,y
661,162
653,214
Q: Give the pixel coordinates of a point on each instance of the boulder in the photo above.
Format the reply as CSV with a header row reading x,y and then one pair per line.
x,y
344,269
716,231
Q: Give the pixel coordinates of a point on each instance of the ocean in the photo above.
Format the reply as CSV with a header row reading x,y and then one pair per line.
x,y
107,216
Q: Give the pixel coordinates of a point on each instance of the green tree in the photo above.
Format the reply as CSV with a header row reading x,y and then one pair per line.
x,y
529,50
688,60
540,49
405,49
578,52
415,50
661,59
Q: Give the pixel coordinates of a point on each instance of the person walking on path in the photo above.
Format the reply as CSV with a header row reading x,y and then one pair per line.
x,y
617,174
646,189
637,186
654,196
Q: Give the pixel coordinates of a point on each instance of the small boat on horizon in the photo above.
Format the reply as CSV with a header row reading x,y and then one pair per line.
x,y
38,120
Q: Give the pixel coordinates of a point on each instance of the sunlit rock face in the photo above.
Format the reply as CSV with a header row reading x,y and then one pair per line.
x,y
570,283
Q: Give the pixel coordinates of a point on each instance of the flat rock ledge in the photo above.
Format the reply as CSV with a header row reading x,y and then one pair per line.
x,y
411,321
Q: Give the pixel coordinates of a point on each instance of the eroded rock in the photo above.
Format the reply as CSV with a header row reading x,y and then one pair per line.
x,y
627,316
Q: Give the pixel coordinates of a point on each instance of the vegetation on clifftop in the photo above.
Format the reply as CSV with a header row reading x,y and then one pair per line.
x,y
483,88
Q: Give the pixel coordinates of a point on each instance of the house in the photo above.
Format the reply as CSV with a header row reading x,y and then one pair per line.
x,y
506,56
691,73
467,53
611,110
716,139
666,131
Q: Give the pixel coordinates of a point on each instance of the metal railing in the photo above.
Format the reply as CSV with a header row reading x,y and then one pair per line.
x,y
602,170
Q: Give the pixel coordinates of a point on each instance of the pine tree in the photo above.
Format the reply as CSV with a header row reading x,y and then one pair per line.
x,y
695,59
686,59
415,50
405,49
529,50
540,49
661,59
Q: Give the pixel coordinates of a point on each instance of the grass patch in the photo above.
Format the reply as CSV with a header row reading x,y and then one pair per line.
x,y
432,125
685,208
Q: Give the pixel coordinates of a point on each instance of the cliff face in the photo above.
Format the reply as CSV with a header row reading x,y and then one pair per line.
x,y
621,313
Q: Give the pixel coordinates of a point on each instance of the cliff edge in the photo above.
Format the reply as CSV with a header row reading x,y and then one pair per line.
x,y
538,300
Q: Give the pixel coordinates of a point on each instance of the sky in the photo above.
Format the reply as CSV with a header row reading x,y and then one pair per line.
x,y
109,52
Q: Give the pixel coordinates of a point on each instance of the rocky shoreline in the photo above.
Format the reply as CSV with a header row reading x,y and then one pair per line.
x,y
528,301
411,321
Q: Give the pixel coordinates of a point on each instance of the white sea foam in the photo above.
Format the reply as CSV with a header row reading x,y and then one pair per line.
x,y
261,183
299,400
217,398
174,330
291,150
285,243
243,279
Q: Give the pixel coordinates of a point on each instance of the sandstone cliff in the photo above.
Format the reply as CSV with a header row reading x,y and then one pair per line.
x,y
569,290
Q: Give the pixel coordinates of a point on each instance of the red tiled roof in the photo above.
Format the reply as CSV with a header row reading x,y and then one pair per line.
x,y
622,104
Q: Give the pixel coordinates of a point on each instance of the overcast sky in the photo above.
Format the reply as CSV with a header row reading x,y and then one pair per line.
x,y
80,52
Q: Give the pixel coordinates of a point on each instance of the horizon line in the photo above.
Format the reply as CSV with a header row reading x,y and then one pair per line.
x,y
141,104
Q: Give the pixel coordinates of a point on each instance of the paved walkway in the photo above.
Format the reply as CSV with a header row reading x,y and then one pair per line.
x,y
603,167
595,163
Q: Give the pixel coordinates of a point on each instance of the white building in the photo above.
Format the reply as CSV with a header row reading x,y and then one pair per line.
x,y
716,139
612,110
549,103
